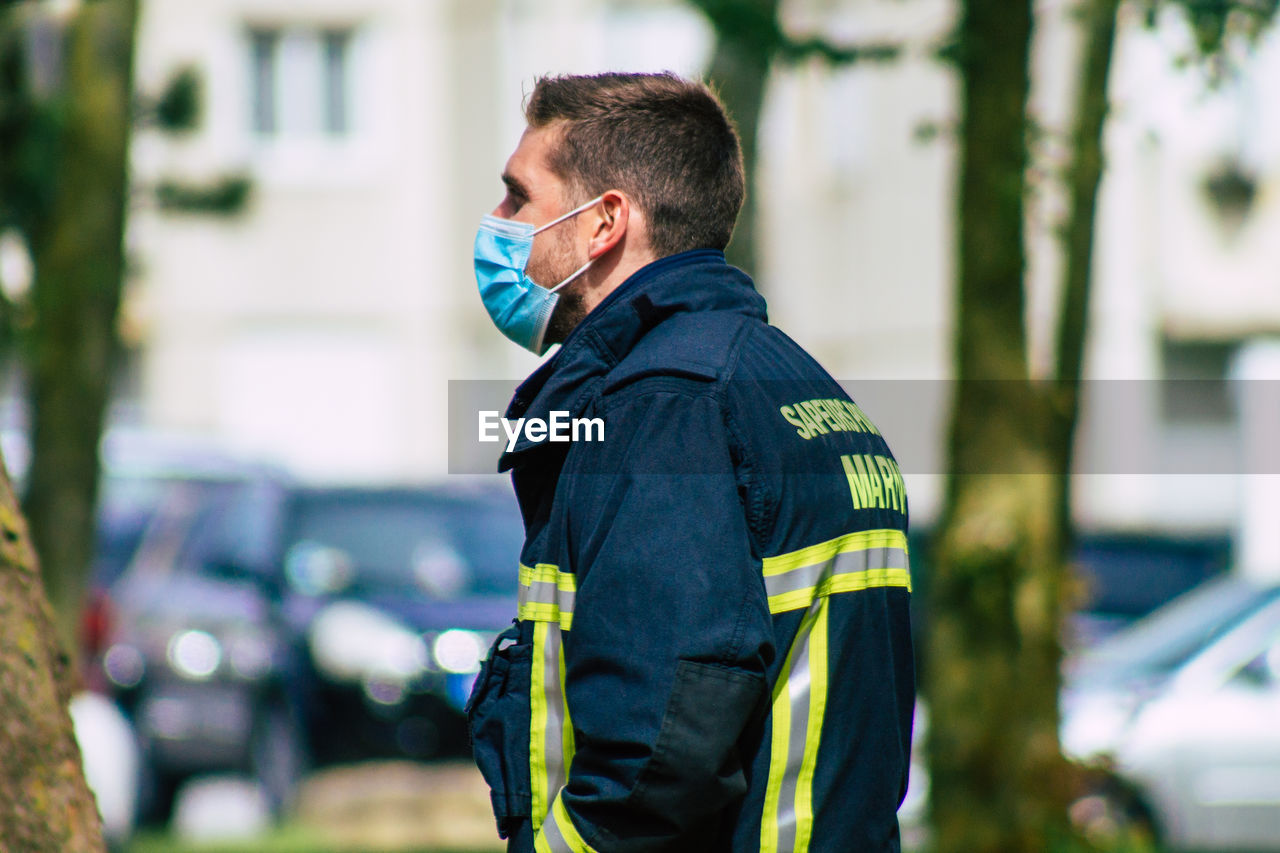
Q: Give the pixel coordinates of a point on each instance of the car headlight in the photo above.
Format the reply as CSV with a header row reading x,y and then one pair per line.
x,y
459,651
355,642
195,655
124,665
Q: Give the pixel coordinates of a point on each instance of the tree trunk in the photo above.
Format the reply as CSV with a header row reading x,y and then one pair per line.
x,y
998,781
746,40
47,807
1084,176
78,249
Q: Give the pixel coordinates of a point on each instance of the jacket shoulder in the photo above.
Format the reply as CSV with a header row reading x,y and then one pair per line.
x,y
697,346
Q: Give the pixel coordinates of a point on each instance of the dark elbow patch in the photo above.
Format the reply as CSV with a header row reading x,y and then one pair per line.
x,y
696,770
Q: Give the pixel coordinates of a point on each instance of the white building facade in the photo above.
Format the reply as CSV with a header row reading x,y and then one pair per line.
x,y
323,324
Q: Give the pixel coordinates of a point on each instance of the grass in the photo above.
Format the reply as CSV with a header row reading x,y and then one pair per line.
x,y
288,839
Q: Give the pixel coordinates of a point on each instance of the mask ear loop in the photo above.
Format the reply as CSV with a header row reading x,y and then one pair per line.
x,y
580,270
575,274
571,213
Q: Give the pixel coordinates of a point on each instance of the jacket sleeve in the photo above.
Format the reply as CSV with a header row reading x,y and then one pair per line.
x,y
671,636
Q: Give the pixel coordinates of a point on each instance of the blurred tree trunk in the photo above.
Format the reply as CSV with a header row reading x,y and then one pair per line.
x,y
1083,178
46,804
747,36
1000,594
78,247
998,781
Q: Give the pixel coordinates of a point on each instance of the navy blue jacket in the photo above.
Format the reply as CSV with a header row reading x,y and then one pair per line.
x,y
713,649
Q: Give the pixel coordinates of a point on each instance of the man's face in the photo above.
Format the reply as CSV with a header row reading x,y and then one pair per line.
x,y
536,195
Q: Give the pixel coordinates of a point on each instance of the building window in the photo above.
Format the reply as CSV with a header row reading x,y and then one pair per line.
x,y
300,81
263,51
1195,389
336,50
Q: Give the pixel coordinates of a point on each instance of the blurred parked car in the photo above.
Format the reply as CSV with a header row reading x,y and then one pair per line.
x,y
163,637
142,471
145,474
1184,706
398,594
1177,718
267,625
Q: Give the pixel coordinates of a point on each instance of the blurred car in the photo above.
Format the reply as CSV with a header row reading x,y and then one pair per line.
x,y
396,595
267,625
1106,683
199,664
141,471
1126,576
146,474
1184,707
1177,720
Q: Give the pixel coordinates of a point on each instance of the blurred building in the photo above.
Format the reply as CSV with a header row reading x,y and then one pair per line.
x,y
323,323
1188,294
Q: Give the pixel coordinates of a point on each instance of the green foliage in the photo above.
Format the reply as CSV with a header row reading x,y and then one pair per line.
x,y
1213,21
32,128
749,38
29,130
1216,24
799,49
227,196
178,107
750,23
754,26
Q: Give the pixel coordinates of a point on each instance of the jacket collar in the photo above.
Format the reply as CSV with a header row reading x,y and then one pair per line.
x,y
699,280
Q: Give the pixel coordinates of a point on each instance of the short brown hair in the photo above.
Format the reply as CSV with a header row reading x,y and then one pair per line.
x,y
663,140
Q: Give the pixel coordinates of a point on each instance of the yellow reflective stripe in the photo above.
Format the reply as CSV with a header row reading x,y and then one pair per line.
x,y
799,704
559,835
566,732
571,834
855,561
823,551
547,573
813,735
833,584
541,612
548,721
781,722
547,594
538,725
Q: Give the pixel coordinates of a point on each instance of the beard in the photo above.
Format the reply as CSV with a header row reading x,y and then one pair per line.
x,y
548,270
567,314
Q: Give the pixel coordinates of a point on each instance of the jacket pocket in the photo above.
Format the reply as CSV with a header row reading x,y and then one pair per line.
x,y
498,719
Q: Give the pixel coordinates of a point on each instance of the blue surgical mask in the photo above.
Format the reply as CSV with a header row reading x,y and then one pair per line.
x,y
518,306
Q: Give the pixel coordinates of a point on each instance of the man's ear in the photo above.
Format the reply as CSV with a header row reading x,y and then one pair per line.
x,y
610,220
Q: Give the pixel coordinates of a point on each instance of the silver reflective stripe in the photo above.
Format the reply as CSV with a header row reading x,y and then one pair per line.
x,y
799,707
556,842
547,760
798,698
849,562
555,713
547,594
559,835
543,592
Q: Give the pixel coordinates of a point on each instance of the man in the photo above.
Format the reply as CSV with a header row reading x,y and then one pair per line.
x,y
712,650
